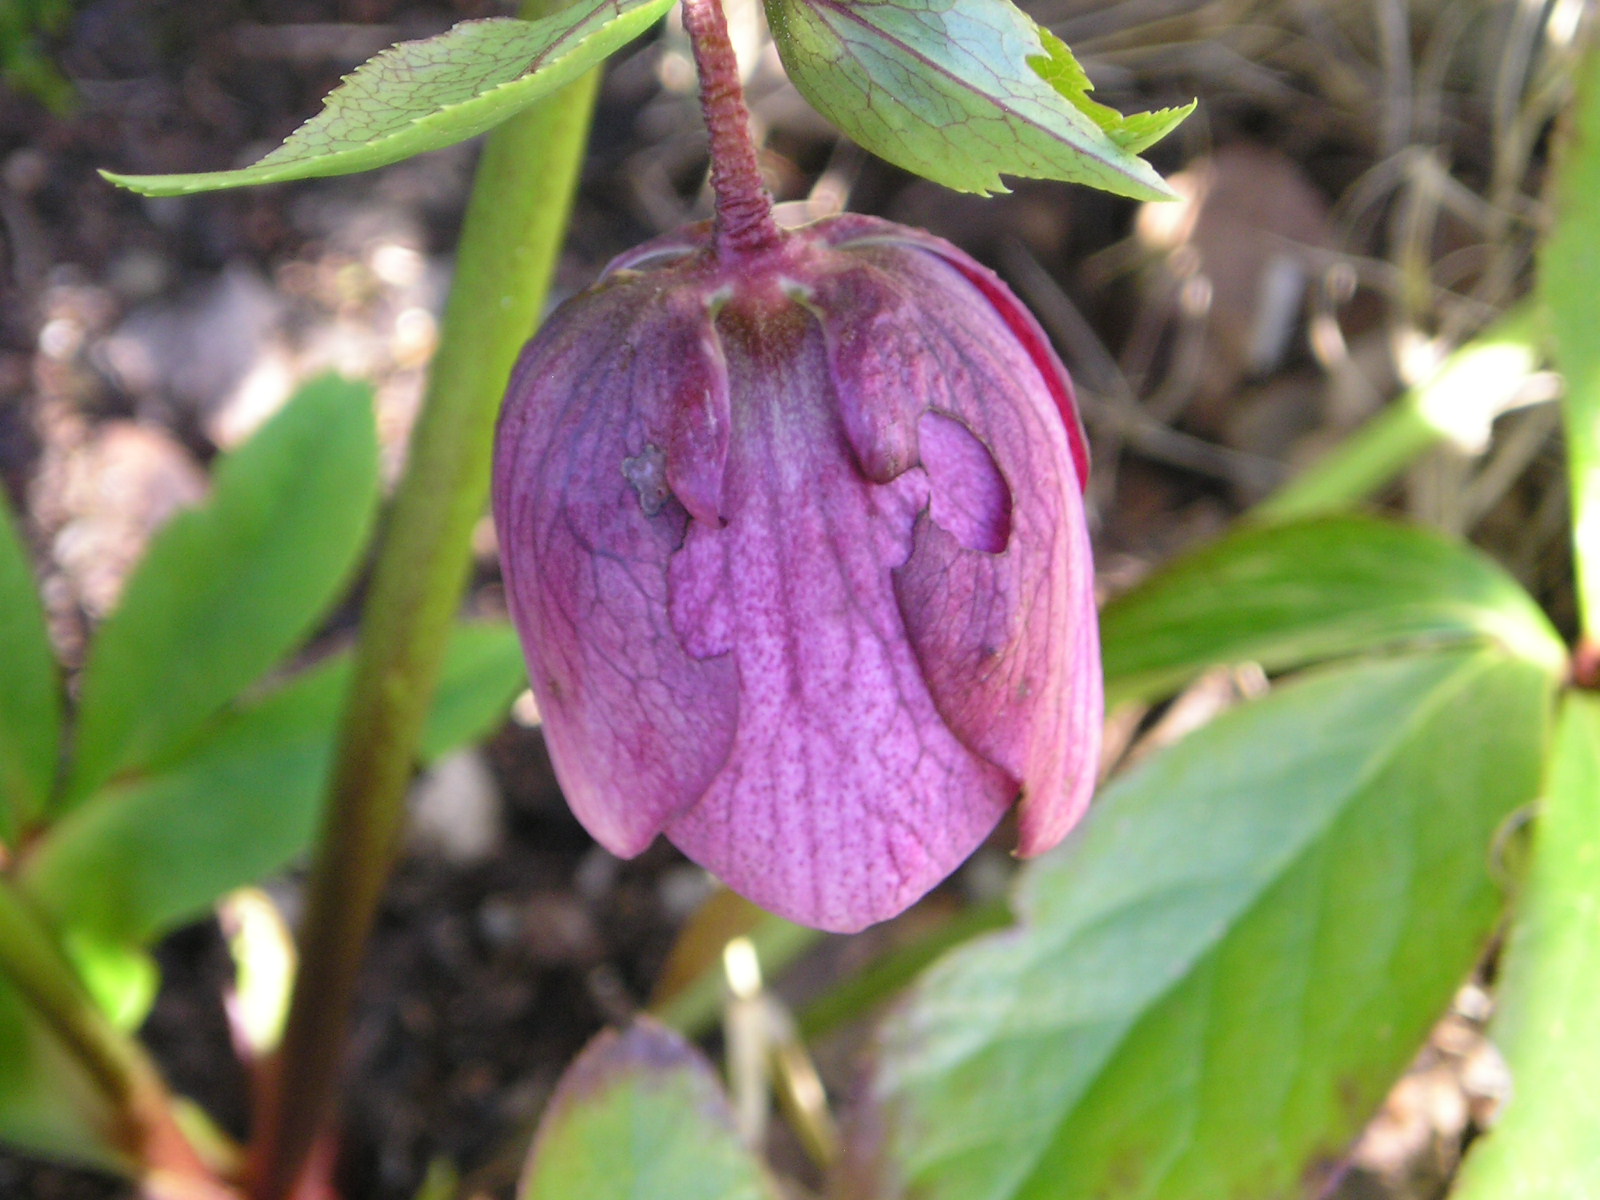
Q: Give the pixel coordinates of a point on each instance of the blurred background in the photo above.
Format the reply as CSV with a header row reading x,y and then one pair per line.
x,y
1361,191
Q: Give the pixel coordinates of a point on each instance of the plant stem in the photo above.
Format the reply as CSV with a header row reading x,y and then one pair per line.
x,y
147,1130
1568,262
515,223
1470,388
1543,1142
744,209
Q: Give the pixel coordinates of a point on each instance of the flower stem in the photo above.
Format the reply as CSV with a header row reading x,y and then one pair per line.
x,y
515,224
744,209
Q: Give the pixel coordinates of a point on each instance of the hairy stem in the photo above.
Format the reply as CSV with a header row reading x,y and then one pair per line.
x,y
510,241
744,209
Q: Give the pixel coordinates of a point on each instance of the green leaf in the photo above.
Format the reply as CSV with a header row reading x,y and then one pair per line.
x,y
639,1114
138,859
1289,595
419,96
1135,133
1545,1144
141,857
227,590
963,91
1218,976
30,698
48,1104
483,672
121,979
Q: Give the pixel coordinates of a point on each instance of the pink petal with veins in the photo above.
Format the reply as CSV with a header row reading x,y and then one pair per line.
x,y
637,726
844,797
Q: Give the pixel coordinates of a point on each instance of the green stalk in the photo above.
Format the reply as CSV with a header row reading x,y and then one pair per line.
x,y
1543,1146
1472,386
1568,266
147,1132
1544,1143
510,241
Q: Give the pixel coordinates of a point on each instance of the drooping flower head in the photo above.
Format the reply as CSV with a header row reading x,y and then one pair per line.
x,y
792,528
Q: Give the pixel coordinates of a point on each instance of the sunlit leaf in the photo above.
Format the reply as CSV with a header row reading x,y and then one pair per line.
x,y
228,589
421,95
1295,594
963,93
1218,976
1134,133
122,979
639,1114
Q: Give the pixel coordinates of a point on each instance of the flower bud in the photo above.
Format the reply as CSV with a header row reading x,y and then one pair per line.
x,y
796,544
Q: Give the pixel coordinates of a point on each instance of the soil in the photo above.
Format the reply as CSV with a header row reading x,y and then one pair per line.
x,y
138,338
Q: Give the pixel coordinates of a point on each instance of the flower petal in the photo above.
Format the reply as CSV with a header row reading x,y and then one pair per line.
x,y
844,797
968,494
1007,641
637,727
855,233
878,395
697,419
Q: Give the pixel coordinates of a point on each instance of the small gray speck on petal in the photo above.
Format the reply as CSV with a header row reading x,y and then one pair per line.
x,y
647,472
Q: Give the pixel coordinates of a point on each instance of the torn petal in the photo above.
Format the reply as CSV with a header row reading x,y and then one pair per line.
x,y
969,496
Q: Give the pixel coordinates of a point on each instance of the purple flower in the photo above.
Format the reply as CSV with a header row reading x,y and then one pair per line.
x,y
795,541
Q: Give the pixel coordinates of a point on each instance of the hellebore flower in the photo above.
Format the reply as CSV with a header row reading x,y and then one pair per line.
x,y
797,550
792,528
